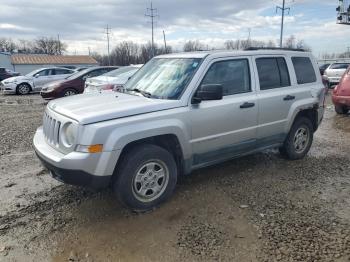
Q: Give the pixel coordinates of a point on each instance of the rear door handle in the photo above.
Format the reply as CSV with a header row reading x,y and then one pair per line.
x,y
247,105
288,97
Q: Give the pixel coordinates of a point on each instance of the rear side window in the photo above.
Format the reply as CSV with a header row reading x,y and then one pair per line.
x,y
233,75
273,73
304,70
62,71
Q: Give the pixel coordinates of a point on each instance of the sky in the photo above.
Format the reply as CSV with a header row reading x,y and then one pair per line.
x,y
81,23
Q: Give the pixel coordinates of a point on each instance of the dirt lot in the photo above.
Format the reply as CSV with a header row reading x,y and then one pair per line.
x,y
257,208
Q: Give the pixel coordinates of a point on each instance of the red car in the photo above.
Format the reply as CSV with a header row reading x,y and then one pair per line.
x,y
73,84
341,94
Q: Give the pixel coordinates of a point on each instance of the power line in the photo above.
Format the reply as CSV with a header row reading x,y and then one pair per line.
x,y
107,34
152,14
283,9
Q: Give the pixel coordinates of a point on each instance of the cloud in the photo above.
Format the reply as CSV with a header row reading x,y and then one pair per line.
x,y
81,23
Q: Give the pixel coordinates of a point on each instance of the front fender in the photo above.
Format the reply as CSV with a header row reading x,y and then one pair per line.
x,y
122,136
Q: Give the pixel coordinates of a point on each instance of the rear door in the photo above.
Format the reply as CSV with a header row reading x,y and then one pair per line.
x,y
282,81
225,128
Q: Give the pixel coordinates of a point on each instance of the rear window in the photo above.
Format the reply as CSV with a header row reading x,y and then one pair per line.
x,y
304,70
273,72
339,66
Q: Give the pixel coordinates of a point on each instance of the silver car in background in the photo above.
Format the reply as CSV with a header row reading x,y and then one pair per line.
x,y
34,81
113,80
334,72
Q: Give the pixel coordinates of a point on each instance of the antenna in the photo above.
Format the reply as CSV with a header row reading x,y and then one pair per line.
x,y
107,34
152,13
283,9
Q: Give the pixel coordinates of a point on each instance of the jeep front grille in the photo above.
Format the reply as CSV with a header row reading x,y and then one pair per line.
x,y
51,128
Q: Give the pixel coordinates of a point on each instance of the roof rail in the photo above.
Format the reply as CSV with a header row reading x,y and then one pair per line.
x,y
274,48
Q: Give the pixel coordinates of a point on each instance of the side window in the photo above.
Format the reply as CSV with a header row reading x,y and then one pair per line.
x,y
304,70
61,71
43,73
273,73
233,75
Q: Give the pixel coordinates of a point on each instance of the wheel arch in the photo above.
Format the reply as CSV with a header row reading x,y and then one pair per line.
x,y
169,142
27,83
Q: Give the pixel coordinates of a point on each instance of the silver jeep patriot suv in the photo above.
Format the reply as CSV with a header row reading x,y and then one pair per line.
x,y
182,112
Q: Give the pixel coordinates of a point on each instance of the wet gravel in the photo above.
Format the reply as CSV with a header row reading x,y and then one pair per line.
x,y
257,208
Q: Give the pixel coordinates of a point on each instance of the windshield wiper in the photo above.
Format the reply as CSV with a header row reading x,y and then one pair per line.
x,y
144,93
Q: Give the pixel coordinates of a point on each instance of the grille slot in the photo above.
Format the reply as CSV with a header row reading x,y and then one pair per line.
x,y
51,128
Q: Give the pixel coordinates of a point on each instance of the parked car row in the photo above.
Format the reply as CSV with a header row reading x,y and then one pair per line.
x,y
58,82
332,73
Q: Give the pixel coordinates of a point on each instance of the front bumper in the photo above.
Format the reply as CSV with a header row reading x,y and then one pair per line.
x,y
9,88
49,95
341,100
81,169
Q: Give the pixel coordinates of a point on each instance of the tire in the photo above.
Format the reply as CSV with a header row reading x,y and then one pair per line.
x,y
299,139
341,110
138,181
23,89
69,92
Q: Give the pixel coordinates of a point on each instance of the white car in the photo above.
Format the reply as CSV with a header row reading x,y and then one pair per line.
x,y
334,72
34,81
113,80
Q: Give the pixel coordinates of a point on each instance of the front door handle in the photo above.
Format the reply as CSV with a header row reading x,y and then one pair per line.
x,y
288,97
247,105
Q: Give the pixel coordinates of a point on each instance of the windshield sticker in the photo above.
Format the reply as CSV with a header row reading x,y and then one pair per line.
x,y
195,64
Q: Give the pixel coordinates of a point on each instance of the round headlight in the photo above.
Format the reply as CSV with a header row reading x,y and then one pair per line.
x,y
69,134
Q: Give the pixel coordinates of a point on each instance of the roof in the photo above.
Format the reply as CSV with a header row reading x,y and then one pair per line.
x,y
25,59
224,53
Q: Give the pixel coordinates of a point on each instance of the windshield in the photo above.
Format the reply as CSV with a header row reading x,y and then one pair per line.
x,y
78,74
34,72
120,71
164,78
340,66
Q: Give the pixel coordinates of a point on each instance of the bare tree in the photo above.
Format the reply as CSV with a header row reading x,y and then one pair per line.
x,y
190,46
49,46
7,45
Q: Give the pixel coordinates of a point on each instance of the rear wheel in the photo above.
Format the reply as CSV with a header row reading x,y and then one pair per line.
x,y
145,178
341,109
69,92
23,89
299,139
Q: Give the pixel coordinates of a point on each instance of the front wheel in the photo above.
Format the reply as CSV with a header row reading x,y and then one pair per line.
x,y
23,89
145,178
69,92
341,110
299,139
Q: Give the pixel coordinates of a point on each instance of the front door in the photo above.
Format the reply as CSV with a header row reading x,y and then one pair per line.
x,y
224,128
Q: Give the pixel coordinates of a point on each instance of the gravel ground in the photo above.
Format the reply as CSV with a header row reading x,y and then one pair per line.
x,y
256,208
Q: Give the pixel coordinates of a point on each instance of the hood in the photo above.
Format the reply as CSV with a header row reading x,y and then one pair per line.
x,y
92,108
17,78
99,80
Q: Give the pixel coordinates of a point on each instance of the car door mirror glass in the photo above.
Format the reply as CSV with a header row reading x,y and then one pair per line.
x,y
208,92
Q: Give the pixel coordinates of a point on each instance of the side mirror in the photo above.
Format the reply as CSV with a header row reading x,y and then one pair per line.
x,y
208,92
36,75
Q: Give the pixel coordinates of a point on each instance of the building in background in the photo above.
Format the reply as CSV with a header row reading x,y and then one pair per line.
x,y
25,63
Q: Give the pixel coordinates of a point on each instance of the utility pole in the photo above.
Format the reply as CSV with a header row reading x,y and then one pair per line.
x,y
107,34
59,44
89,50
249,32
165,42
152,13
283,9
